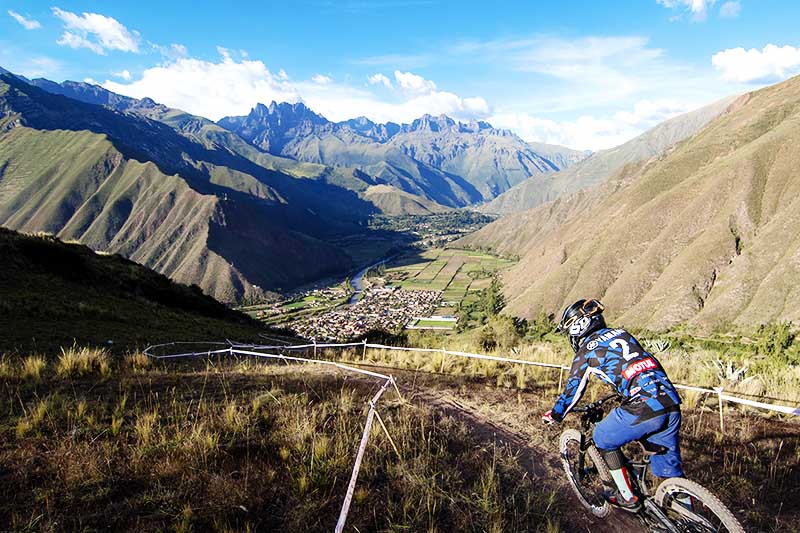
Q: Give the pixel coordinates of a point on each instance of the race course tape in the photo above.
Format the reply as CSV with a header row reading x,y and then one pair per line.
x,y
237,348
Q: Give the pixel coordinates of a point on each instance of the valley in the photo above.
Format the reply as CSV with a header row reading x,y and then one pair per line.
x,y
158,267
417,287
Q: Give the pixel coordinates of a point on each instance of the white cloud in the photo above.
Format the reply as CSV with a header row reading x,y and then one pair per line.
x,y
96,32
90,81
124,74
413,83
322,79
730,9
698,8
26,22
171,52
233,87
380,79
591,132
600,70
213,90
770,64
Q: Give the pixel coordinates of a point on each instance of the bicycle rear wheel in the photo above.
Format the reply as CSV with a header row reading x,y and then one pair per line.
x,y
693,508
585,472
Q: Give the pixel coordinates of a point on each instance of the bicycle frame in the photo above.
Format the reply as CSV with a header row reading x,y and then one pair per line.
x,y
592,414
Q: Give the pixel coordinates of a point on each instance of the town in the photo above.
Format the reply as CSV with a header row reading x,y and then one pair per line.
x,y
380,308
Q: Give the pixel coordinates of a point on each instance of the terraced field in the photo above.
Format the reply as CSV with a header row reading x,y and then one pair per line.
x,y
459,274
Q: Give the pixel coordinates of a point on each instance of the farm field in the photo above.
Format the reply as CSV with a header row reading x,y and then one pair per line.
x,y
432,323
459,274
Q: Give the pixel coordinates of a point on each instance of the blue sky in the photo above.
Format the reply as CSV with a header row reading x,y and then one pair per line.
x,y
588,74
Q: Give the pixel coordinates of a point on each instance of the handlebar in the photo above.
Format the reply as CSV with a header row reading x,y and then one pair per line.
x,y
595,405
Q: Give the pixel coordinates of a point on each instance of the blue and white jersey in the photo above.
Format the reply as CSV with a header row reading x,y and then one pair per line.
x,y
617,358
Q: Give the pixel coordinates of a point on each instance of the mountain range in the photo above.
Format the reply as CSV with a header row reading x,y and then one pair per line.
x,y
185,206
239,210
437,158
705,234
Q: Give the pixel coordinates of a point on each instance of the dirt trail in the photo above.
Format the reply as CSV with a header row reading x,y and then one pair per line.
x,y
505,416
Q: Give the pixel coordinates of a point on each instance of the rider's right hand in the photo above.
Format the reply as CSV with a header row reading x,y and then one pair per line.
x,y
547,418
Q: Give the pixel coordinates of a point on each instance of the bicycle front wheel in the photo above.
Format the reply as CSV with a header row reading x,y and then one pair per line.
x,y
585,472
693,508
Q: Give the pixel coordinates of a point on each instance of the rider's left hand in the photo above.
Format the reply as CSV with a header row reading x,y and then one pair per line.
x,y
547,418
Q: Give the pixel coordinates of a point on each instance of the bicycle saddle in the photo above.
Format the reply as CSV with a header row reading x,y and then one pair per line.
x,y
650,448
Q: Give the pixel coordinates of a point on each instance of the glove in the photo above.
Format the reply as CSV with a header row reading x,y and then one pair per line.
x,y
547,418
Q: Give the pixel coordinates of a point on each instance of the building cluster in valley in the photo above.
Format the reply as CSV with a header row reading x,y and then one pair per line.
x,y
386,308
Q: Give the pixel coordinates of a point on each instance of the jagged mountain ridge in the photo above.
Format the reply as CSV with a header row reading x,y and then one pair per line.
x,y
124,183
601,165
450,162
706,235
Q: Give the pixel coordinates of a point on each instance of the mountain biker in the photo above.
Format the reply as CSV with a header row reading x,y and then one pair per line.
x,y
651,406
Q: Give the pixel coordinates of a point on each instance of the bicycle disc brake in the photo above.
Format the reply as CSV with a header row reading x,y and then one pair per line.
x,y
663,520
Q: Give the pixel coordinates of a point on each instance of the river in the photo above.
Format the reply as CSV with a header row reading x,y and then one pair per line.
x,y
357,281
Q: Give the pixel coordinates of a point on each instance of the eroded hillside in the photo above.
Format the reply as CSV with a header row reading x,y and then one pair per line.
x,y
707,234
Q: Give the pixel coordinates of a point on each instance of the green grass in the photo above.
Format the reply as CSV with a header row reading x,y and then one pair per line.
x,y
458,273
425,323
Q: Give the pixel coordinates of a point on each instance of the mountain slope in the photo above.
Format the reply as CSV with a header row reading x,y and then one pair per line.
x,y
600,166
392,201
706,235
127,184
53,294
452,163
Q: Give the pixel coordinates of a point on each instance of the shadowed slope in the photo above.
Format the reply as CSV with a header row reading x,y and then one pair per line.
x,y
53,294
131,185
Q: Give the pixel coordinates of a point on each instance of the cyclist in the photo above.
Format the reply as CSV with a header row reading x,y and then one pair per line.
x,y
651,406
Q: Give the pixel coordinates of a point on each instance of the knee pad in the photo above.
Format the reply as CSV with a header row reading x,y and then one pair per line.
x,y
614,458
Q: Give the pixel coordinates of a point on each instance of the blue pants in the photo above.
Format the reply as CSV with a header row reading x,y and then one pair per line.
x,y
621,427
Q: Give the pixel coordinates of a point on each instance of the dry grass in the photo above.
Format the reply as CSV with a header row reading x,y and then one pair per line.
x,y
138,362
78,362
6,368
232,450
235,447
32,368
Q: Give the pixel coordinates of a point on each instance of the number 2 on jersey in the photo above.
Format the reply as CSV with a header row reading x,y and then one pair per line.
x,y
626,350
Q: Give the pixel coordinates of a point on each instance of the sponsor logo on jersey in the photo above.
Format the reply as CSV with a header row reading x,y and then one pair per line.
x,y
608,335
639,367
592,345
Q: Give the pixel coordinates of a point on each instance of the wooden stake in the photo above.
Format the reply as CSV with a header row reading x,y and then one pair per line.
x,y
386,431
718,390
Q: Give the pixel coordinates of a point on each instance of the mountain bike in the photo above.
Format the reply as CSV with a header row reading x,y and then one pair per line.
x,y
678,505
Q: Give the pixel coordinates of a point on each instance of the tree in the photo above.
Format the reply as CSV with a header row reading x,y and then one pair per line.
x,y
493,301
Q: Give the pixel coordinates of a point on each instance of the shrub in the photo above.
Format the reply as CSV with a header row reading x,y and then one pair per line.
x,y
774,339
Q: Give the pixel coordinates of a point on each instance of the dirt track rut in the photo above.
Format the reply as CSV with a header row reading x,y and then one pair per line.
x,y
505,416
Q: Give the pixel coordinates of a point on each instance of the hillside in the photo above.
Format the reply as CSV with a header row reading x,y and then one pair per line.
x,y
391,201
196,212
452,163
705,235
53,294
599,166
